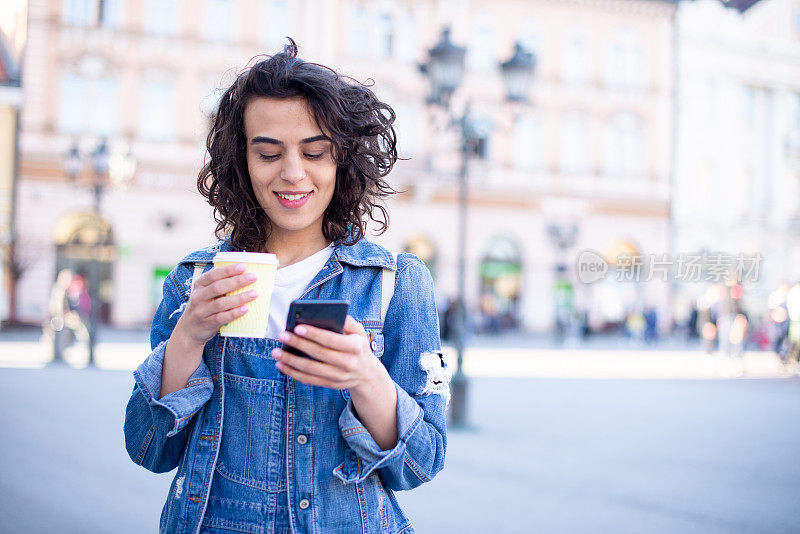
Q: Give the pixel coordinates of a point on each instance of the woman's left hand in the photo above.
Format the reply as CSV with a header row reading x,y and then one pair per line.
x,y
339,361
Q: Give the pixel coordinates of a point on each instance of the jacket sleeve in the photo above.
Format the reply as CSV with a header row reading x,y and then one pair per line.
x,y
412,354
156,428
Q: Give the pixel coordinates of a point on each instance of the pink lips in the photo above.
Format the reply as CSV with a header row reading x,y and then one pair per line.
x,y
293,203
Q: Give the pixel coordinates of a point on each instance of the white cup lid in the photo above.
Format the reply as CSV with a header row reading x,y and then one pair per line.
x,y
247,257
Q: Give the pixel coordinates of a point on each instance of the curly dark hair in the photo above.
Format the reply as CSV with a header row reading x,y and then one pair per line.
x,y
364,146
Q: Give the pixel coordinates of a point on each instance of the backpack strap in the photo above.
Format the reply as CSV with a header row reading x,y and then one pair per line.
x,y
387,288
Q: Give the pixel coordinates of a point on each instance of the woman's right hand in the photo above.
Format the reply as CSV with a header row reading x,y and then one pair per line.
x,y
209,308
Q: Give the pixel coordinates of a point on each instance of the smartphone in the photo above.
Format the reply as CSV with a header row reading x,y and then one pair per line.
x,y
327,314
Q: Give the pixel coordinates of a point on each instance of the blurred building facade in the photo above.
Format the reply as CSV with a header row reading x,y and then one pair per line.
x,y
12,38
737,182
586,164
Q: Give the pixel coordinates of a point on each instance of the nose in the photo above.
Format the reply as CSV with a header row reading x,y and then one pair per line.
x,y
293,170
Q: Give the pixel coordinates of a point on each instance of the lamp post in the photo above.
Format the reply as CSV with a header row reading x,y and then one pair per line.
x,y
563,237
444,70
107,169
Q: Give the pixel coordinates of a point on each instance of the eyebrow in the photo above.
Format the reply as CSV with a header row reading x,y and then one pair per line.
x,y
271,141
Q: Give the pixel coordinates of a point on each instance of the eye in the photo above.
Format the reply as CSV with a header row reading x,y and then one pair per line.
x,y
315,156
268,157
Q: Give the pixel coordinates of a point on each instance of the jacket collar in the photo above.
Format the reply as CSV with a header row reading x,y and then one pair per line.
x,y
365,254
206,255
362,254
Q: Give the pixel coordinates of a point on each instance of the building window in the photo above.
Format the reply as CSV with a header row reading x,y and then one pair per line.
x,y
576,65
77,12
357,34
797,20
88,105
528,142
623,145
575,143
161,17
218,20
110,15
105,109
407,38
385,35
277,24
624,63
157,111
73,105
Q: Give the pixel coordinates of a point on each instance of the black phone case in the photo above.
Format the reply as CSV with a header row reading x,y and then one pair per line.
x,y
327,314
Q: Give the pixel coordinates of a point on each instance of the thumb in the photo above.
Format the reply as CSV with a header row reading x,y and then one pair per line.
x,y
351,326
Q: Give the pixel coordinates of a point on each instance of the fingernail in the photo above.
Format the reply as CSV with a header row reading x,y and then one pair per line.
x,y
252,294
240,267
300,330
244,309
276,353
251,276
284,336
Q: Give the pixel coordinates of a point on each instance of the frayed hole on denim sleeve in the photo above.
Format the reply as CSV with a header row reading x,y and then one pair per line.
x,y
179,311
438,375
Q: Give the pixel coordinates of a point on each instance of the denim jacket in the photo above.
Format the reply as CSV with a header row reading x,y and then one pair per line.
x,y
259,452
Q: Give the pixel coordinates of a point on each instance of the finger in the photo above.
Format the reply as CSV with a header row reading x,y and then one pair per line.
x,y
309,366
312,348
228,316
351,326
326,338
223,304
305,378
227,285
218,273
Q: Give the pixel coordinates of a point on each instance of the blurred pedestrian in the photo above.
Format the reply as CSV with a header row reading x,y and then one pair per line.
x,y
635,326
489,314
738,334
706,326
265,440
78,297
692,331
651,325
66,324
793,310
450,320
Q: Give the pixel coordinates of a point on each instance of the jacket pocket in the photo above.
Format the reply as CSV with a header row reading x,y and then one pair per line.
x,y
251,451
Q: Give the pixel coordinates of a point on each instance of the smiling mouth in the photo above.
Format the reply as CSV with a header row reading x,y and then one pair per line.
x,y
293,197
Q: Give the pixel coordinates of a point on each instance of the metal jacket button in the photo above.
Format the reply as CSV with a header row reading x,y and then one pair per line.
x,y
304,504
302,439
373,345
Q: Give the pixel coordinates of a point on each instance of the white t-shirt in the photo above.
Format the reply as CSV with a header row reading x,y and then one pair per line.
x,y
290,282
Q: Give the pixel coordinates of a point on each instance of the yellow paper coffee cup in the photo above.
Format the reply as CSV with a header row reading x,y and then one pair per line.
x,y
254,322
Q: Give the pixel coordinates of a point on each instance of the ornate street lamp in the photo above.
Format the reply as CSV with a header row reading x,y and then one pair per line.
x,y
117,169
444,70
517,73
562,237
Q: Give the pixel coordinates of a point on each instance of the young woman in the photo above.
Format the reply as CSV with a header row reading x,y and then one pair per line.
x,y
266,441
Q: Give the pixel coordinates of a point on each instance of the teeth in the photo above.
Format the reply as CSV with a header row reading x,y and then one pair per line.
x,y
292,197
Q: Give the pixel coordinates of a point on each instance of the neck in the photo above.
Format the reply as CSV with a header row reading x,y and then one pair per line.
x,y
293,248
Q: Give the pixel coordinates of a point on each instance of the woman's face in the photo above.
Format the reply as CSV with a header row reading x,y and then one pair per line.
x,y
291,167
